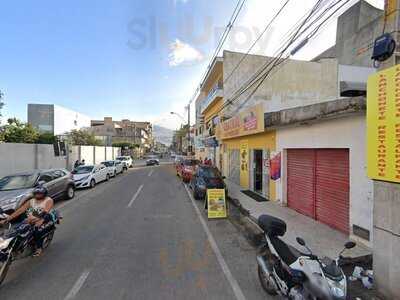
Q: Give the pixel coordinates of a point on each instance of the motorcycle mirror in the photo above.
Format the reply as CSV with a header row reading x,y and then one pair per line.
x,y
349,245
300,241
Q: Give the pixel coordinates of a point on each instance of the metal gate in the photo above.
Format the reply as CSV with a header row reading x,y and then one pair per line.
x,y
234,166
318,185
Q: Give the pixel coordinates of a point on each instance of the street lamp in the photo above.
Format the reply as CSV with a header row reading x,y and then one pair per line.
x,y
184,121
174,113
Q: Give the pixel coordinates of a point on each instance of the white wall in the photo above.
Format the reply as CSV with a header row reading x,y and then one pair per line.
x,y
109,153
16,158
100,154
66,120
348,133
87,154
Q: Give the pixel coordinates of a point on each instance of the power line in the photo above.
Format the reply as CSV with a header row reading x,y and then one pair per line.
x,y
256,41
224,36
277,61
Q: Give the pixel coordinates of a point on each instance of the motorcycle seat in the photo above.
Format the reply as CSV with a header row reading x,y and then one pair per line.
x,y
287,254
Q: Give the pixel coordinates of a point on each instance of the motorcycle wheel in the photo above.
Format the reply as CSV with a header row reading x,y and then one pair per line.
x,y
48,239
4,267
266,283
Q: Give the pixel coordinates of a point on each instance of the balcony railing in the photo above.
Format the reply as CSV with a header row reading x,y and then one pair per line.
x,y
215,91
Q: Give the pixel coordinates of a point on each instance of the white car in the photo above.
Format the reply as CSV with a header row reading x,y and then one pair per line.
x,y
127,160
114,167
90,175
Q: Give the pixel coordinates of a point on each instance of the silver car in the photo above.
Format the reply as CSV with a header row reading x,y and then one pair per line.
x,y
16,189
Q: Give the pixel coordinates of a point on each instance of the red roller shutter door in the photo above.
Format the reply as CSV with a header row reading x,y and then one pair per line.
x,y
300,180
332,188
318,185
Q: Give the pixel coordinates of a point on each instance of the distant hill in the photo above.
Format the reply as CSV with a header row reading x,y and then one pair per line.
x,y
162,134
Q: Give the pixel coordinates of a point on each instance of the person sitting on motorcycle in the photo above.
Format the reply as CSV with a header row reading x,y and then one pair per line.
x,y
36,209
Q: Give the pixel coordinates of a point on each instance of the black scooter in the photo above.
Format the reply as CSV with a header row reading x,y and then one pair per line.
x,y
17,241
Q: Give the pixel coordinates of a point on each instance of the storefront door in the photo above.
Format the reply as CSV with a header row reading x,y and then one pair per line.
x,y
258,171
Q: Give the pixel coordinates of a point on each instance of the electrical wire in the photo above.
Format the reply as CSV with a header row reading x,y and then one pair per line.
x,y
224,36
256,40
278,60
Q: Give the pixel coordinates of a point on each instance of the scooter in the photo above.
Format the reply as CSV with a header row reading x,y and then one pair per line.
x,y
295,275
17,241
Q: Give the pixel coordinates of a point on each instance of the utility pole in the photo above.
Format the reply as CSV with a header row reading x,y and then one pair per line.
x,y
386,233
189,142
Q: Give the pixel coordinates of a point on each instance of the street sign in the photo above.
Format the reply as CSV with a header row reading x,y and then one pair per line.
x,y
216,203
383,125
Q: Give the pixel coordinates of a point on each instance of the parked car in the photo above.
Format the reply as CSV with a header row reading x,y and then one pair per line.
x,y
16,189
127,160
152,162
90,175
114,167
206,177
178,163
187,168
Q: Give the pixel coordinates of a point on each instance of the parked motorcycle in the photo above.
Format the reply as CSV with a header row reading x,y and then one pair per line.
x,y
17,241
295,275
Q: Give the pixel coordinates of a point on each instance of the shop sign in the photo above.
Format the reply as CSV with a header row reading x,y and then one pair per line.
x,y
383,125
211,142
249,121
244,164
216,203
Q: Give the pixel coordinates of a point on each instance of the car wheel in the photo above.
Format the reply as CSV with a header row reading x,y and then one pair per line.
x,y
195,194
70,192
108,177
92,183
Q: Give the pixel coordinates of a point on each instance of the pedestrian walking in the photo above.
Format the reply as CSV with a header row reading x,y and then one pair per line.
x,y
83,162
77,163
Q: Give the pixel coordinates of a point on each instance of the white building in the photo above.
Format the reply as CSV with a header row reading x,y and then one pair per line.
x,y
56,119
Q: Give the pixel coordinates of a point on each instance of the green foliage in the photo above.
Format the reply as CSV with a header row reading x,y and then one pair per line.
x,y
84,138
1,101
125,145
46,138
16,131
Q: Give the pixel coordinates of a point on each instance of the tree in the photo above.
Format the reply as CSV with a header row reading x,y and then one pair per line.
x,y
125,145
1,101
16,131
84,138
46,138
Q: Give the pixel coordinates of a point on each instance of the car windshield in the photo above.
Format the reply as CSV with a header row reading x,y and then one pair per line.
x,y
108,163
83,170
191,162
17,182
122,158
209,173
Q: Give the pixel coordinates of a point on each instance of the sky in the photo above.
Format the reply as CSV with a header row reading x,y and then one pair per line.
x,y
135,59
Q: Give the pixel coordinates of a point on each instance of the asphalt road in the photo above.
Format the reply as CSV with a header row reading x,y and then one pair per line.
x,y
139,236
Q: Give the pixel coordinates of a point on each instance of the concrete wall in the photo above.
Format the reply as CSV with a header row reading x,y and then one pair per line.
x,y
340,133
16,158
109,153
99,154
87,154
294,83
357,29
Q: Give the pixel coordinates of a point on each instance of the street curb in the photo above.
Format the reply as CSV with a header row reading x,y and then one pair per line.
x,y
247,224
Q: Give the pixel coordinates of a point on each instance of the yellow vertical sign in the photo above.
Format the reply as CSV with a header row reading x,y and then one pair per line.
x,y
244,164
216,203
383,125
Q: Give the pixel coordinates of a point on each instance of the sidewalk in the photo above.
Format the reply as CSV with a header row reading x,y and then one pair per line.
x,y
322,240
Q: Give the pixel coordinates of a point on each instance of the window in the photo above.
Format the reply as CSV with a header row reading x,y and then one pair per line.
x,y
46,177
58,174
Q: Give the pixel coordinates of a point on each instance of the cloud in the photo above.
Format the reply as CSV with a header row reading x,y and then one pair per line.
x,y
182,53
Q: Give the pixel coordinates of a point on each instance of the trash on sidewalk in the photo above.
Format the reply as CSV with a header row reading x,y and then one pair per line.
x,y
366,276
